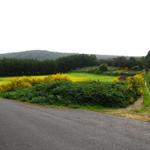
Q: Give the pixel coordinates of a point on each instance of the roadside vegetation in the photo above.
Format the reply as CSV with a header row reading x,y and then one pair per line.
x,y
146,105
79,82
59,89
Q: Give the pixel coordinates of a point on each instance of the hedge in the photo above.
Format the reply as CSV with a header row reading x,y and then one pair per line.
x,y
119,94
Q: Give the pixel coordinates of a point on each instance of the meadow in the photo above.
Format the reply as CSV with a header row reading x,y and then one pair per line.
x,y
75,77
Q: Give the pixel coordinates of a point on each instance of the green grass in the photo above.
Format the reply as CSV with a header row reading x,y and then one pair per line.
x,y
73,76
146,107
147,91
146,97
89,76
147,78
6,79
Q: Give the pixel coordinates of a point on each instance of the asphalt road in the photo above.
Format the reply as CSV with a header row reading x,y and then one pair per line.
x,y
31,127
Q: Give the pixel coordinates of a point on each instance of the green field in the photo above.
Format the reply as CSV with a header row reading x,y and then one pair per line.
x,y
89,76
73,76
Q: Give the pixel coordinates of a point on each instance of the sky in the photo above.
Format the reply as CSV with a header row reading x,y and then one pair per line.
x,y
114,27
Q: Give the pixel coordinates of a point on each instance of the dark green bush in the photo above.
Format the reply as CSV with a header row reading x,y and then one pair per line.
x,y
66,92
103,67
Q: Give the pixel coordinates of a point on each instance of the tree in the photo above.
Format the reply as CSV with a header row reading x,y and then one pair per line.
x,y
103,67
120,62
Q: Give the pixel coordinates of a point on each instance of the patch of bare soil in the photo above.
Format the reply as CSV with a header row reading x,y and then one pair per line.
x,y
137,105
130,112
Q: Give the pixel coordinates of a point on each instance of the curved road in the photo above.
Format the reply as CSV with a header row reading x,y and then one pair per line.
x,y
31,127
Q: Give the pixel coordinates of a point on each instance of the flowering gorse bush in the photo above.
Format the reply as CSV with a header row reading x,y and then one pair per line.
x,y
136,83
22,82
60,76
26,82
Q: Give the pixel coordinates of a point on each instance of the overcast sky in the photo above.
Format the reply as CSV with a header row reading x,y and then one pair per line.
x,y
118,27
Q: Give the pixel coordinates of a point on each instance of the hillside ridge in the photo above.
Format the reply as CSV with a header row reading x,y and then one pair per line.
x,y
44,55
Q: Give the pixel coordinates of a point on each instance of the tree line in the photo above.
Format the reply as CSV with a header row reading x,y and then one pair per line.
x,y
18,67
138,63
130,62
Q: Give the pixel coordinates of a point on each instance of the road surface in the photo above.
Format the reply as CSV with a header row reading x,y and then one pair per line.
x,y
31,127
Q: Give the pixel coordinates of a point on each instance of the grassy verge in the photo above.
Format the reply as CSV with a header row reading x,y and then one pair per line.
x,y
145,110
146,105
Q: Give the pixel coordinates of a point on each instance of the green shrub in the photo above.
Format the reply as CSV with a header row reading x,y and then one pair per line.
x,y
103,67
136,68
119,94
22,82
60,76
39,100
136,84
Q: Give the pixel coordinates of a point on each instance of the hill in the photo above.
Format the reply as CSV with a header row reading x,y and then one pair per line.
x,y
35,54
43,55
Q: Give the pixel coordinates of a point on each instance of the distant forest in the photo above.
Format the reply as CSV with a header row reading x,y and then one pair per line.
x,y
18,67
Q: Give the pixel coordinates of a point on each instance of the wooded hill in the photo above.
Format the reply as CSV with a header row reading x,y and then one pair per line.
x,y
44,55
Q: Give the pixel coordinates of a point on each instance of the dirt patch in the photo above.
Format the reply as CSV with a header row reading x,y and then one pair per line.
x,y
131,111
137,105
